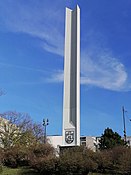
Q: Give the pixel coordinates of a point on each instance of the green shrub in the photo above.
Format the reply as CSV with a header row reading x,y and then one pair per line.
x,y
45,165
123,161
42,158
77,160
114,161
15,156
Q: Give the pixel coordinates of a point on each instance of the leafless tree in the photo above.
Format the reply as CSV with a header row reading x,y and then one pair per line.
x,y
18,128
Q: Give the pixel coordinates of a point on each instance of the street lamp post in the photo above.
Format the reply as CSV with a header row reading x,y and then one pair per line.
x,y
124,123
45,123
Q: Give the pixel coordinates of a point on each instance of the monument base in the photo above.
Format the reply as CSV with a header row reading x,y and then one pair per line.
x,y
64,148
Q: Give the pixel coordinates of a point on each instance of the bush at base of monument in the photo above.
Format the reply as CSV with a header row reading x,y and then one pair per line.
x,y
76,160
42,159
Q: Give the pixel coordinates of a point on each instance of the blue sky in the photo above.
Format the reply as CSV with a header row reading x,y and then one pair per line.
x,y
31,61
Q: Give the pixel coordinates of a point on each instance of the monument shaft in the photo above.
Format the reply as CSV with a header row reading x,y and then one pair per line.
x,y
71,101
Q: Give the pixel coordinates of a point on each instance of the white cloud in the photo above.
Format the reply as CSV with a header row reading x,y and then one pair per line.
x,y
25,68
98,66
36,19
104,71
56,77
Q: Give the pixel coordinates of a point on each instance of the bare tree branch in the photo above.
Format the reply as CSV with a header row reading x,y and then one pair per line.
x,y
18,128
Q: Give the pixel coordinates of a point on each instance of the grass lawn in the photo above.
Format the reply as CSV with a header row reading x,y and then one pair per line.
x,y
18,171
26,171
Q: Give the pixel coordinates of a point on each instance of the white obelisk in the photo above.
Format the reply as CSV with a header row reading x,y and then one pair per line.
x,y
71,97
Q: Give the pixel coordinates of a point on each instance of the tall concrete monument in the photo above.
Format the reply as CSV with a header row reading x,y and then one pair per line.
x,y
71,97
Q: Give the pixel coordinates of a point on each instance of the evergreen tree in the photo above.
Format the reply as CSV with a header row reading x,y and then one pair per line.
x,y
110,139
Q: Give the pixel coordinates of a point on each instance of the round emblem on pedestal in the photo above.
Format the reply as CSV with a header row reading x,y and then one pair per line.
x,y
69,136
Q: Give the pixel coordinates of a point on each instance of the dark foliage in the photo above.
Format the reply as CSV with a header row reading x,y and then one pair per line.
x,y
110,139
27,149
77,160
114,161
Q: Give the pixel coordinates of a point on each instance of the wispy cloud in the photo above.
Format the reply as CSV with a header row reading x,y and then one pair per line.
x,y
57,76
27,71
36,19
99,67
25,68
101,70
104,71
